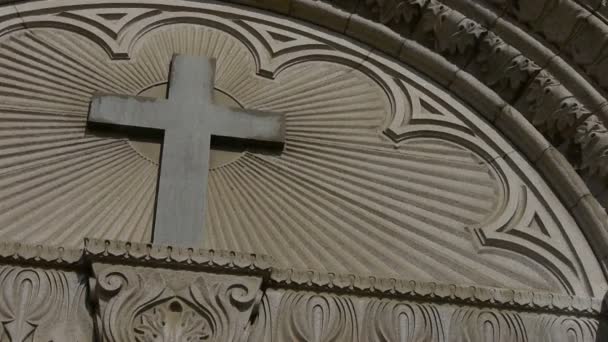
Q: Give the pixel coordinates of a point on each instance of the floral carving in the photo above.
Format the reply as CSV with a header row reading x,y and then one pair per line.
x,y
42,304
433,15
173,320
458,35
307,316
552,328
396,11
592,136
471,324
550,107
300,315
390,320
144,304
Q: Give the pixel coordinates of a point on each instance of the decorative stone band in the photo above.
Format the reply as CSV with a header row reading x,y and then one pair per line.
x,y
470,51
146,292
168,257
434,292
13,252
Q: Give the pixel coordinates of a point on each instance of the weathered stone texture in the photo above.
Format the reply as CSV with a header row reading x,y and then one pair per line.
x,y
384,173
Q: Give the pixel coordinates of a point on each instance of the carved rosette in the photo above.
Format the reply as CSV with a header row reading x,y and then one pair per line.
x,y
146,304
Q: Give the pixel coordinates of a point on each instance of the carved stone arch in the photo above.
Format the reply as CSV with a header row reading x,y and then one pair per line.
x,y
368,62
526,226
498,41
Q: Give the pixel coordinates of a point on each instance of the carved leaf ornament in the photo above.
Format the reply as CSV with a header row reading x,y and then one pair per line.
x,y
42,305
384,174
172,321
158,305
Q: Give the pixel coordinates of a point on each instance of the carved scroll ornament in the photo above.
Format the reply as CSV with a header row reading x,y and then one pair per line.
x,y
145,305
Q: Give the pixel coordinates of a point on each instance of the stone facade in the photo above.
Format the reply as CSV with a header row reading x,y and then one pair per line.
x,y
443,176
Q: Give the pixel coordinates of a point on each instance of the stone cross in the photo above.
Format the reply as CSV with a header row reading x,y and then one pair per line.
x,y
188,118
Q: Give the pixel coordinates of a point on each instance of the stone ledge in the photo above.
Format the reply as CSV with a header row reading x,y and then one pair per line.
x,y
164,255
435,292
161,256
14,252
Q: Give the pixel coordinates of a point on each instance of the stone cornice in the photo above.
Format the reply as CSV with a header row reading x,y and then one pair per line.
x,y
14,252
148,254
434,292
155,256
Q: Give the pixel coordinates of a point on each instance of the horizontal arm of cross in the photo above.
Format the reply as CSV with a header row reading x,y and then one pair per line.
x,y
127,111
249,124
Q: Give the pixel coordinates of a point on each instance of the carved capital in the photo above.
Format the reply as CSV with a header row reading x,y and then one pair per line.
x,y
150,304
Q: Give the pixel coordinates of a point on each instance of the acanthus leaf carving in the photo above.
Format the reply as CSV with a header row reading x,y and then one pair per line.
x,y
308,316
39,304
171,320
390,320
147,304
396,11
472,324
550,328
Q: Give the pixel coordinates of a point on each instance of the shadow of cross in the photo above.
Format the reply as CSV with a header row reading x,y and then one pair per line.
x,y
188,118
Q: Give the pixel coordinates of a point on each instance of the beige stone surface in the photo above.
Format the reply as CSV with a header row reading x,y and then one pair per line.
x,y
381,175
143,304
43,304
188,119
385,175
151,149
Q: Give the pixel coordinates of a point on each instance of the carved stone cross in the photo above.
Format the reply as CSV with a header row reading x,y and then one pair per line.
x,y
188,118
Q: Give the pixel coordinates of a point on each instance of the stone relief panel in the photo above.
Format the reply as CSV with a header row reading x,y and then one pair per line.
x,y
38,304
145,304
378,161
306,316
471,324
390,320
144,292
300,315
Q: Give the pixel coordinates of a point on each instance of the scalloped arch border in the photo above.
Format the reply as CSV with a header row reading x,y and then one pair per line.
x,y
356,19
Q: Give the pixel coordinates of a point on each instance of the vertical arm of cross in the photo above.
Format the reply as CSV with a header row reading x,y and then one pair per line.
x,y
127,111
182,188
249,124
191,80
